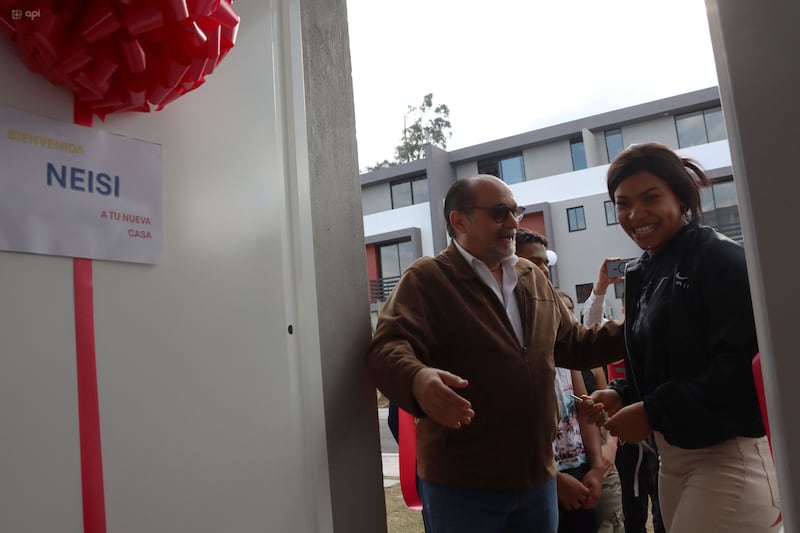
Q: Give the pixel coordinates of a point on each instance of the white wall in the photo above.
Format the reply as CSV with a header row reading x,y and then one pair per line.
x,y
466,170
547,159
660,130
199,396
412,216
212,414
580,253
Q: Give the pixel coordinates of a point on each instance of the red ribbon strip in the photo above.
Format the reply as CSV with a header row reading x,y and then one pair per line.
x,y
94,505
408,460
758,377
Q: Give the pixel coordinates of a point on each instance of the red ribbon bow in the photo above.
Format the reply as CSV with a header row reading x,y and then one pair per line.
x,y
121,55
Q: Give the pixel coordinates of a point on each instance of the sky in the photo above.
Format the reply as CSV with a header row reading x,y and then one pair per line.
x,y
511,66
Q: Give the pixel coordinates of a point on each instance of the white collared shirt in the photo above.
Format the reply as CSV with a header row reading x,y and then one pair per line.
x,y
504,294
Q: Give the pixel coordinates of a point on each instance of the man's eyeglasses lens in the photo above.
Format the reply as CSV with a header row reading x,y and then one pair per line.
x,y
499,213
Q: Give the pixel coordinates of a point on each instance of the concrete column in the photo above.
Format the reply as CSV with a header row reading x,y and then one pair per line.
x,y
755,46
337,274
441,176
593,157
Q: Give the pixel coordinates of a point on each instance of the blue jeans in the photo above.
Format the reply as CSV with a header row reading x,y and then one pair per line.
x,y
449,509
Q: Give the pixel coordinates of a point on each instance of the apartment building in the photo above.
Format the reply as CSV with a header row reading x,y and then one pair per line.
x,y
558,174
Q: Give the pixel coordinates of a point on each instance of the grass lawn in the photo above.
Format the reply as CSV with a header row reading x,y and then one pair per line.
x,y
399,519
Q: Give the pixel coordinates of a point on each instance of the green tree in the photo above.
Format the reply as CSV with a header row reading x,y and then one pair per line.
x,y
428,125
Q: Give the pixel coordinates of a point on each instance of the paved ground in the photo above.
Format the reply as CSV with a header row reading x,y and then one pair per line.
x,y
391,469
391,464
388,444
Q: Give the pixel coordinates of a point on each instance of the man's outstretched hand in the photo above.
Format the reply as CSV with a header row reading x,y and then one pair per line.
x,y
433,390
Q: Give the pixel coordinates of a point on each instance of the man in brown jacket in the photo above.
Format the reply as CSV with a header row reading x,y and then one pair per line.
x,y
468,342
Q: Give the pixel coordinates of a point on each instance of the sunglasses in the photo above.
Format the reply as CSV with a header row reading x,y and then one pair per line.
x,y
500,212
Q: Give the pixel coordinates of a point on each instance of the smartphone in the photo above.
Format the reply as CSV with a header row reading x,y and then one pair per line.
x,y
616,269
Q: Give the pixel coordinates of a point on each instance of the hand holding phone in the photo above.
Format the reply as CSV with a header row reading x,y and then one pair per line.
x,y
616,269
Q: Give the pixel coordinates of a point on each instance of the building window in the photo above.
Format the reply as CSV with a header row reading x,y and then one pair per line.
x,y
578,153
583,291
394,258
720,195
576,218
510,168
720,209
613,143
409,192
611,213
700,127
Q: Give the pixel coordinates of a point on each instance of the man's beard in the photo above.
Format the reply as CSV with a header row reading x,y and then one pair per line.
x,y
506,250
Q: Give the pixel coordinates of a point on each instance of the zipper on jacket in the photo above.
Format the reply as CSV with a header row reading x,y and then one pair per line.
x,y
629,358
525,358
527,361
524,349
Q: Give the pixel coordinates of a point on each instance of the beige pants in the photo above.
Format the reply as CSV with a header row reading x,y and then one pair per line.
x,y
611,517
728,487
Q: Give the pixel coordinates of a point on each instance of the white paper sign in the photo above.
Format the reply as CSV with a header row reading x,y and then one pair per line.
x,y
78,192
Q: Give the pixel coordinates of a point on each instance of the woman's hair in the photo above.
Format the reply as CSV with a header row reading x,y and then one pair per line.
x,y
683,175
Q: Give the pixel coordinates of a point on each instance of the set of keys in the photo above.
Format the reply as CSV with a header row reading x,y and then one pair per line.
x,y
590,403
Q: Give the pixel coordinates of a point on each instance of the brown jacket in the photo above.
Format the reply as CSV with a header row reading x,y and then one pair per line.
x,y
443,316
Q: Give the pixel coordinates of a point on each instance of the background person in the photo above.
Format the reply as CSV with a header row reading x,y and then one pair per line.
x,y
533,247
574,514
579,458
690,338
468,342
636,464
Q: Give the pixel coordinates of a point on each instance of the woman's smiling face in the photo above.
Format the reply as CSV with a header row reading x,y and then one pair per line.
x,y
648,210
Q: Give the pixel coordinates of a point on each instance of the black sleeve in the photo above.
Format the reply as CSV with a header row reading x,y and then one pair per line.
x,y
625,391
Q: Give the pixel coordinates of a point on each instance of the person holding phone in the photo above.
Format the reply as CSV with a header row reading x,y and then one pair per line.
x,y
690,338
636,462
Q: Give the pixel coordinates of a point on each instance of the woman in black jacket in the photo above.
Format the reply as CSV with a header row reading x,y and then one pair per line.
x,y
690,339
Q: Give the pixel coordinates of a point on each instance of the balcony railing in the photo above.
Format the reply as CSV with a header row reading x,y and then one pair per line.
x,y
732,231
381,288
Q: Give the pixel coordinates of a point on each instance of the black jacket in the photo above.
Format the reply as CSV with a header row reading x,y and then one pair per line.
x,y
690,340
